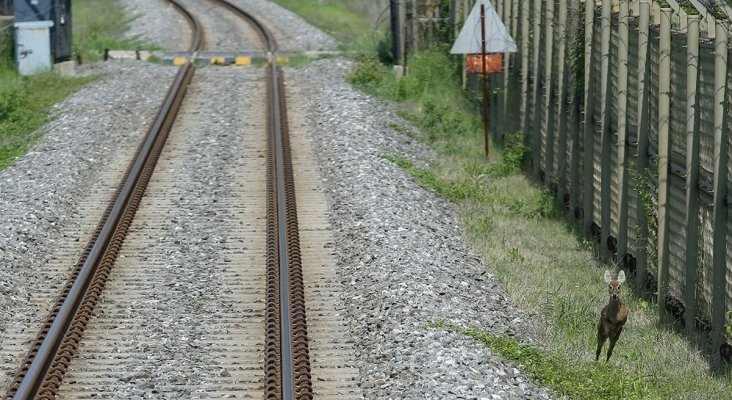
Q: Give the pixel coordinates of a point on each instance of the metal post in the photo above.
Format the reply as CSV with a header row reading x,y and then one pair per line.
x,y
664,148
692,169
719,267
644,20
485,81
405,50
623,21
396,30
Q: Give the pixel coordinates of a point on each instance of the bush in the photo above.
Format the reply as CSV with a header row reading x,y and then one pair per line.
x,y
368,72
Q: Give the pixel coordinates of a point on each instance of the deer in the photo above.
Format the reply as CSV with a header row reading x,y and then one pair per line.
x,y
612,317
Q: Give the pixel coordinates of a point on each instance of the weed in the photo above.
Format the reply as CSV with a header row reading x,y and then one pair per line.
x,y
514,255
368,72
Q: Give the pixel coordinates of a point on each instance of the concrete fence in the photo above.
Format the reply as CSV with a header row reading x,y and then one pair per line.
x,y
627,111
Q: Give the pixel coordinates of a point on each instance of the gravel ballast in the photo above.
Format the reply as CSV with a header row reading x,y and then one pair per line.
x,y
403,262
402,259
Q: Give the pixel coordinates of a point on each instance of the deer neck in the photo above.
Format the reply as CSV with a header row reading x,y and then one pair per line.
x,y
614,306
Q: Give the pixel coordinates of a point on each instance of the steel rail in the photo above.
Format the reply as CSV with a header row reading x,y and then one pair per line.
x,y
43,368
287,364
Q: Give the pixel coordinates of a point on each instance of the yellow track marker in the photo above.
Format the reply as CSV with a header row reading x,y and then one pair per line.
x,y
178,61
243,61
218,60
282,60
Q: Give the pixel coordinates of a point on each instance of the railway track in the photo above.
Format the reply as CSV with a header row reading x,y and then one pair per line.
x,y
250,278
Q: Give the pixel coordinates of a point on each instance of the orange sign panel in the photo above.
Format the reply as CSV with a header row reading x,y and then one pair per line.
x,y
493,63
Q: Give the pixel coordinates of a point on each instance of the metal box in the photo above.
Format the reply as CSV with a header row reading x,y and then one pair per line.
x,y
57,11
32,46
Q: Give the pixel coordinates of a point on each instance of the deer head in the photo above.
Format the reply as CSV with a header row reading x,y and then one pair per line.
x,y
614,284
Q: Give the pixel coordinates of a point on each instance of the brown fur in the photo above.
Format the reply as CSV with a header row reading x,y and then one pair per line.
x,y
613,316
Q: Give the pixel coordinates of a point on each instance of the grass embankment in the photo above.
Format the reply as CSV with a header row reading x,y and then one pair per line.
x,y
537,254
357,25
101,24
25,101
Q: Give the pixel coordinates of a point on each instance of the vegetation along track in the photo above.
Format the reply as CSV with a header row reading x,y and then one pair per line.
x,y
253,300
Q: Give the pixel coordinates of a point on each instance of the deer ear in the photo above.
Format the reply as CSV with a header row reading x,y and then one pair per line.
x,y
608,277
621,276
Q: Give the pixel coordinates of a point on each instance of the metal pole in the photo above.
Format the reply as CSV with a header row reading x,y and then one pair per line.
x,y
485,81
405,50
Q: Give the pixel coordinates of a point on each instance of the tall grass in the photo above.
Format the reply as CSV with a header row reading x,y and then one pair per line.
x,y
101,24
359,26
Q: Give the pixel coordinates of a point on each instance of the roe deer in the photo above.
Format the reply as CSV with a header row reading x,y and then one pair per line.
x,y
613,316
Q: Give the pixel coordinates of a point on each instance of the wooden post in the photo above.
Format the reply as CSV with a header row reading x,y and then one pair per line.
x,y
549,93
605,130
664,148
536,109
692,170
589,128
525,21
644,20
505,119
486,99
574,128
623,21
721,138
562,75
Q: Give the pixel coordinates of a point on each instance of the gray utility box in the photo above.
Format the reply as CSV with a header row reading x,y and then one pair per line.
x,y
57,11
32,46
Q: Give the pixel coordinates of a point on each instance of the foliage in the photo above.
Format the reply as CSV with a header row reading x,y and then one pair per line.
x,y
24,107
101,24
357,25
645,184
368,73
516,155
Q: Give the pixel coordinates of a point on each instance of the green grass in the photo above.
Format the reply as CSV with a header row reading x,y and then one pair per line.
x,y
24,107
25,102
101,24
357,25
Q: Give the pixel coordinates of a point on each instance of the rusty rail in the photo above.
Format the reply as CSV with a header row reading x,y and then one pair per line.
x,y
45,364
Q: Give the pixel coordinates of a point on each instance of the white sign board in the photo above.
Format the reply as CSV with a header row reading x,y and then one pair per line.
x,y
497,38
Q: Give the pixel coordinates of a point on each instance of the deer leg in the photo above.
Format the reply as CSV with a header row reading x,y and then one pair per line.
x,y
613,339
601,338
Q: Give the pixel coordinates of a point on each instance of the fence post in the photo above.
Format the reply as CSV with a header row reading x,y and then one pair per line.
x,y
623,21
721,138
396,30
692,169
588,142
644,20
505,117
664,147
605,131
525,21
536,126
548,92
562,75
